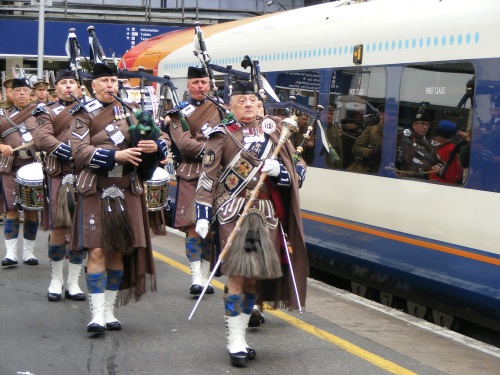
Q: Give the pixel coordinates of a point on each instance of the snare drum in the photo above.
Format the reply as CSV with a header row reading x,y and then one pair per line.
x,y
29,180
157,190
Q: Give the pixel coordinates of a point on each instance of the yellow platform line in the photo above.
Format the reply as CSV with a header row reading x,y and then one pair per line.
x,y
309,328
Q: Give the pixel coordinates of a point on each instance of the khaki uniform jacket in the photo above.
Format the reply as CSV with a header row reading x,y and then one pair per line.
x,y
191,145
15,139
213,191
87,135
52,130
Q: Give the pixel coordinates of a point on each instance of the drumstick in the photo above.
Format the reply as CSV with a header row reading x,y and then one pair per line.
x,y
26,145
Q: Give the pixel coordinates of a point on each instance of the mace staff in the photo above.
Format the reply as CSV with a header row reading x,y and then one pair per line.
x,y
289,127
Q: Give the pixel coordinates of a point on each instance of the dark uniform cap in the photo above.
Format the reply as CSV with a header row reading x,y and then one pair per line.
x,y
422,113
65,74
8,82
103,70
446,129
41,85
194,72
20,82
422,116
243,88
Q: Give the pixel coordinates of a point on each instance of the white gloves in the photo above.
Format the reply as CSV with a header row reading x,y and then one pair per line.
x,y
202,227
272,167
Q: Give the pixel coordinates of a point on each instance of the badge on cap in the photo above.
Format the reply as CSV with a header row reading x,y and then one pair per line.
x,y
269,126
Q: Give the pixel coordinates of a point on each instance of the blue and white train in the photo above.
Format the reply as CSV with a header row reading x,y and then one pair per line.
x,y
433,245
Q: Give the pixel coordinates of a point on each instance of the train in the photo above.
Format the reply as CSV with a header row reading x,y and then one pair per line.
x,y
427,246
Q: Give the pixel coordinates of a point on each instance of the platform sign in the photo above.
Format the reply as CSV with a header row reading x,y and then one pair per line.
x,y
117,38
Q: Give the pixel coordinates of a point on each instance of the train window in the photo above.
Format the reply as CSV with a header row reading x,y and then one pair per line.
x,y
355,118
301,87
435,118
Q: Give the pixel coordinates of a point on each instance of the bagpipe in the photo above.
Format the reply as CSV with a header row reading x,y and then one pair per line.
x,y
144,127
271,101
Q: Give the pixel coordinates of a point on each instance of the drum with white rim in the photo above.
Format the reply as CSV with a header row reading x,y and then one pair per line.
x,y
29,180
157,190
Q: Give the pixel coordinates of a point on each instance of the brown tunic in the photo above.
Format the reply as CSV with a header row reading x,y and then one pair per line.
x,y
53,128
415,156
220,150
190,144
88,134
15,139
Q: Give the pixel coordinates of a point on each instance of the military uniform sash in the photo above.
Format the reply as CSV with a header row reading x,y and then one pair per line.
x,y
62,120
11,126
200,117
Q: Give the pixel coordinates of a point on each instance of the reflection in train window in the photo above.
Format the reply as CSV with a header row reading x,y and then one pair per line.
x,y
301,87
355,118
435,118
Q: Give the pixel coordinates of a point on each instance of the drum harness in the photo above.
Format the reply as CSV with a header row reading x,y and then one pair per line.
x,y
22,129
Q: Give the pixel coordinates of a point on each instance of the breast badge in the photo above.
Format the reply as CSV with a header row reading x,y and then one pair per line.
x,y
209,158
269,126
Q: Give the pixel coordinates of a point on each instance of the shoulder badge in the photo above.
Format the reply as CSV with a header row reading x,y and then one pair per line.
x,y
92,105
76,108
219,129
40,108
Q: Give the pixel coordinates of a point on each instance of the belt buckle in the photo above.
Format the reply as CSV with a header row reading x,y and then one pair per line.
x,y
22,153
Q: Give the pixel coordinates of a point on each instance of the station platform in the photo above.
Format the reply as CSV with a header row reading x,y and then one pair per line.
x,y
337,333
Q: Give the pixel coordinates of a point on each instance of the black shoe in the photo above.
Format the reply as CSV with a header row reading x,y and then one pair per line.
x,y
238,359
251,353
9,262
114,326
75,297
210,290
195,289
53,297
31,262
256,318
95,328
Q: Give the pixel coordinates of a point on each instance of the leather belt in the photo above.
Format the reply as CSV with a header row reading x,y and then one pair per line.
x,y
22,154
124,171
247,193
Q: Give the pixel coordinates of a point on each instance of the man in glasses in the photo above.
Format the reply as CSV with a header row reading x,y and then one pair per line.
x,y
16,125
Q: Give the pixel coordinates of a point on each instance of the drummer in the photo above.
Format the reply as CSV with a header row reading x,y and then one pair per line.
x,y
52,136
17,150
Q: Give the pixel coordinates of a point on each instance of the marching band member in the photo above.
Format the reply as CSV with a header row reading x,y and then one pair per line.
x,y
201,115
16,125
52,136
236,154
111,218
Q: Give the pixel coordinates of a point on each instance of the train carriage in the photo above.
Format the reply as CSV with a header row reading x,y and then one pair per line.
x,y
432,244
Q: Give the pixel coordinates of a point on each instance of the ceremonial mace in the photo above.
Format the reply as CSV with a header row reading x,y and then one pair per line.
x,y
289,127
